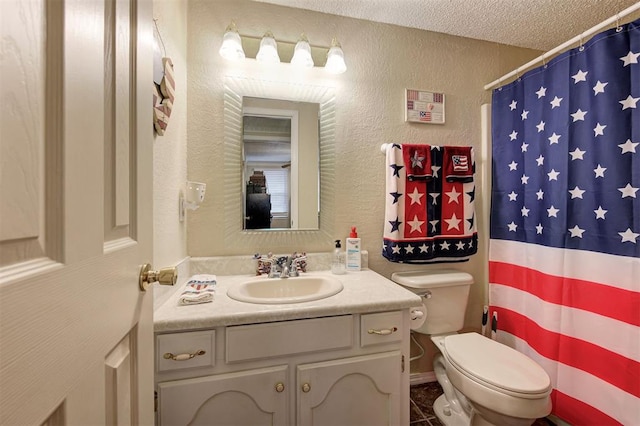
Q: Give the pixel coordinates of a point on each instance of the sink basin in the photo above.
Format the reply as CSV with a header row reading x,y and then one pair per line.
x,y
285,290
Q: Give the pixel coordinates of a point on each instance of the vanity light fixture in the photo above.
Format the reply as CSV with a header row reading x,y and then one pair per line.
x,y
231,44
268,49
335,58
302,53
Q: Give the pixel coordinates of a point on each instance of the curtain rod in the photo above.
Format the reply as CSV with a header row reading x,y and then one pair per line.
x,y
563,46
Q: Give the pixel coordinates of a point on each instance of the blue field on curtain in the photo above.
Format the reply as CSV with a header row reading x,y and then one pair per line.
x,y
564,256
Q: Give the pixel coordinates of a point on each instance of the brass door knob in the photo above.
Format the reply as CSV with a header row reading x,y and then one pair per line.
x,y
165,276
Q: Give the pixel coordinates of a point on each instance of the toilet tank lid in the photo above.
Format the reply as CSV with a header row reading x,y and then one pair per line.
x,y
432,278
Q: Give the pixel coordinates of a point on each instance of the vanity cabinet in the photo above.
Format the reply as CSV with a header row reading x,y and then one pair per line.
x,y
250,397
340,370
353,391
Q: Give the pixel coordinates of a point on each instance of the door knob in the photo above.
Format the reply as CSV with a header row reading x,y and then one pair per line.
x,y
165,276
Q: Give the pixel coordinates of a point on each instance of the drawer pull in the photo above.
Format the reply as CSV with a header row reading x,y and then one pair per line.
x,y
183,357
383,332
306,387
279,387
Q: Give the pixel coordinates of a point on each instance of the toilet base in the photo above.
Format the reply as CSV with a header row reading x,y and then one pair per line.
x,y
447,416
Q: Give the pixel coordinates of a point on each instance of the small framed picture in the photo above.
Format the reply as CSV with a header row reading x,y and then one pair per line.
x,y
424,107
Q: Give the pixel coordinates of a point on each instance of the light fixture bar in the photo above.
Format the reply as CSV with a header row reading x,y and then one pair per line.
x,y
311,57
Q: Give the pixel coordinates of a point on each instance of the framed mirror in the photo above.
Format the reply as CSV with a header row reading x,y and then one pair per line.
x,y
236,234
280,156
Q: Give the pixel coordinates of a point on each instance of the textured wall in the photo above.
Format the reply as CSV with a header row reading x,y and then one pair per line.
x,y
382,61
170,150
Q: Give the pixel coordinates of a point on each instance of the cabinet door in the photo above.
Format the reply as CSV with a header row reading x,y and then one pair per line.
x,y
252,397
362,390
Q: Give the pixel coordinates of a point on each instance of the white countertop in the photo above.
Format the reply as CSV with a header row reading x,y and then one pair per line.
x,y
364,291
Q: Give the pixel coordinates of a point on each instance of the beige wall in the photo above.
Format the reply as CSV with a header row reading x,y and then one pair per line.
x,y
170,150
382,61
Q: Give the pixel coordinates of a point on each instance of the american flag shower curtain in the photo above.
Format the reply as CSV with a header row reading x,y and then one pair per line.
x,y
564,258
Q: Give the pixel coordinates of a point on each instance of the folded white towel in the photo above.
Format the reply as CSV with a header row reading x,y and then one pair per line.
x,y
199,289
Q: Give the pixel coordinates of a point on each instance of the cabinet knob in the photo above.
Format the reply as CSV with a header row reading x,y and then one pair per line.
x,y
279,387
306,387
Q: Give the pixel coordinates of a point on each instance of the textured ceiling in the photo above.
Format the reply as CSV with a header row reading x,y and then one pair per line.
x,y
536,24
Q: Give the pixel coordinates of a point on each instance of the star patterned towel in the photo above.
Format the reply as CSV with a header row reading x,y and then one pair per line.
x,y
418,161
427,220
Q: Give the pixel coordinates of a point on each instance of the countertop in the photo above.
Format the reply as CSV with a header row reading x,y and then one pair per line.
x,y
364,291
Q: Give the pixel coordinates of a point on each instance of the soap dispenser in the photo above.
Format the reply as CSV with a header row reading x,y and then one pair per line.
x,y
353,244
337,262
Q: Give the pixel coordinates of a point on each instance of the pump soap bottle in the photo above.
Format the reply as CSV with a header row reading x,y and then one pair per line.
x,y
353,251
337,262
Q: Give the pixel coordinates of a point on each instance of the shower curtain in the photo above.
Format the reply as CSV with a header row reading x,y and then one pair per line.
x,y
564,257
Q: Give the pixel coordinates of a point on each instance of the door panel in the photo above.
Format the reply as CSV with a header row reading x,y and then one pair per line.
x,y
362,390
74,322
246,398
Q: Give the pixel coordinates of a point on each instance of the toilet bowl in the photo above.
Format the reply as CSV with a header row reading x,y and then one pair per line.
x,y
501,385
484,382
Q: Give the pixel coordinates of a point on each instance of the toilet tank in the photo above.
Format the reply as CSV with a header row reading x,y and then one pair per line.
x,y
445,294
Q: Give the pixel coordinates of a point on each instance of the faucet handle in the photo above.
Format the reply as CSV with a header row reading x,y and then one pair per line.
x,y
299,264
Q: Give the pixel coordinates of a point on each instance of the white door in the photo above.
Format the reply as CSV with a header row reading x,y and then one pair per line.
x,y
75,212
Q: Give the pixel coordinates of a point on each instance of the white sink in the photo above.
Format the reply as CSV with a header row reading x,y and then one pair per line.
x,y
271,291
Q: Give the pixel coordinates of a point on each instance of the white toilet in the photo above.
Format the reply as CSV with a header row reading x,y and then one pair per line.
x,y
484,382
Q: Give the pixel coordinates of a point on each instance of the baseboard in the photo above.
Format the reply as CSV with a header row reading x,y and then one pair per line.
x,y
420,378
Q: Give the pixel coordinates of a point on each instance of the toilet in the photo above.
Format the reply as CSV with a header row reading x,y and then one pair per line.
x,y
485,382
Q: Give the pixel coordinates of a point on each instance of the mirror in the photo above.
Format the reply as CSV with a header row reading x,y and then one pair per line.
x,y
280,157
235,234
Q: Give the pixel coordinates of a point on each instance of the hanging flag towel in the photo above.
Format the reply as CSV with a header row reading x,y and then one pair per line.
x,y
457,163
199,289
426,219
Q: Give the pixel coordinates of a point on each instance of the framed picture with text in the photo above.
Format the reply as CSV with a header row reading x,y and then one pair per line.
x,y
424,107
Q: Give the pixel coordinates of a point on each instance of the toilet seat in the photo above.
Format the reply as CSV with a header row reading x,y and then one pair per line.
x,y
484,360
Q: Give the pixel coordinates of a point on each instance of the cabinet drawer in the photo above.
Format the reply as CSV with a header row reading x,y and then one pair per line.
x,y
384,327
188,350
245,342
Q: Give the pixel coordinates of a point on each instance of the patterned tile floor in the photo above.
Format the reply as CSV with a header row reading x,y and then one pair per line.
x,y
422,398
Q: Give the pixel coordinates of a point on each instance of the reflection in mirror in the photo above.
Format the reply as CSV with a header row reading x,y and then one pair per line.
x,y
236,236
280,164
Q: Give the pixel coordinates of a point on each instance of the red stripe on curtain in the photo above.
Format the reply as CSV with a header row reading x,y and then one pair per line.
x,y
609,366
598,298
578,413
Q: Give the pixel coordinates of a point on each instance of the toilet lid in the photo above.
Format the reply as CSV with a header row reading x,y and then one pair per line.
x,y
488,361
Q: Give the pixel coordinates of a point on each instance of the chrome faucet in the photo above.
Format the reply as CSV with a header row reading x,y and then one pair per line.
x,y
281,267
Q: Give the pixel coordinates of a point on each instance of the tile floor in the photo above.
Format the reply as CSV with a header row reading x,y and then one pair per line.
x,y
422,398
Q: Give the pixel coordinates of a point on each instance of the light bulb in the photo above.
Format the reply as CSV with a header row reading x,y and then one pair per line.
x,y
302,53
231,44
268,49
335,58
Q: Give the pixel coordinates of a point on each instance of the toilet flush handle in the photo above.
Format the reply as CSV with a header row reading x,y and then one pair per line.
x,y
426,294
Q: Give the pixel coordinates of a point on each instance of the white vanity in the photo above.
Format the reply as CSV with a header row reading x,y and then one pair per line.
x,y
342,360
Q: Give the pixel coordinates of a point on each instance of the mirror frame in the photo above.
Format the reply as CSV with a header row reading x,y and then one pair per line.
x,y
235,89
